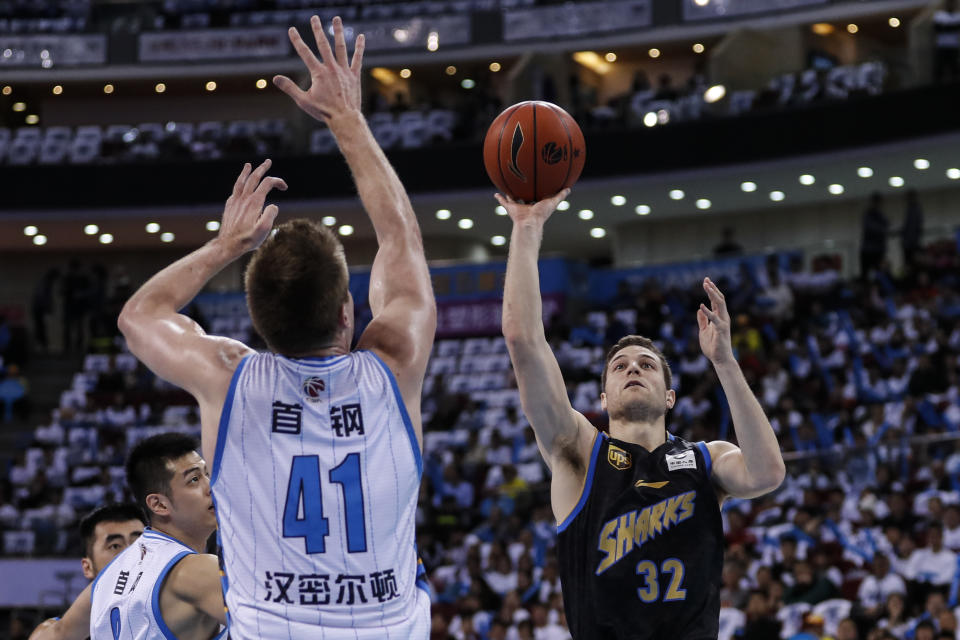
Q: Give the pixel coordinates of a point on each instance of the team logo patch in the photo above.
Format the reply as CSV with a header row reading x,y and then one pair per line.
x,y
618,458
313,388
685,460
652,485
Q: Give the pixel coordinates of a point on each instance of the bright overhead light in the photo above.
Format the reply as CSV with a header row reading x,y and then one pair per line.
x,y
865,172
777,196
807,179
213,225
585,214
383,75
953,173
328,221
166,236
7,90
502,211
593,61
160,87
345,230
701,3
610,57
40,240
714,93
598,232
697,48
650,119
895,181
642,210
822,28
852,28
465,223
19,106
835,189
405,73
703,203
654,53
498,241
921,164
400,35
32,119
152,227
91,229
467,83
210,86
451,70
443,214
563,205
106,238
108,88
677,194
30,230
748,187
261,83
57,89
495,67
618,201
894,22
433,41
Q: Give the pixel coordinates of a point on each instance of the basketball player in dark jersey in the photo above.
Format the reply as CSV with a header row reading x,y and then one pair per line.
x,y
638,511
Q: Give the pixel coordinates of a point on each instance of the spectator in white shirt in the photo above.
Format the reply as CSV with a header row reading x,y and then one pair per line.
x,y
877,586
933,563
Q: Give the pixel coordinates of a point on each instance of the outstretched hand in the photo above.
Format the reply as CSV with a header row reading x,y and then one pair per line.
x,y
246,222
334,82
538,212
714,323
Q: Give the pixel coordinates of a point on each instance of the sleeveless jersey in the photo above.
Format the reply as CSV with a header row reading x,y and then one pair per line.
x,y
315,479
125,597
641,554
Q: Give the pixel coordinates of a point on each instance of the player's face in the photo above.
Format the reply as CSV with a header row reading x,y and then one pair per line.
x,y
109,539
191,505
635,387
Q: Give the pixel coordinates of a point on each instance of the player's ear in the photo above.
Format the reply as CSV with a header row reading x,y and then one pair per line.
x,y
86,564
603,401
158,504
671,398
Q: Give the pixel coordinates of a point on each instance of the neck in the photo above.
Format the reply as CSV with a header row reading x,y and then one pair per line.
x,y
340,346
194,540
648,435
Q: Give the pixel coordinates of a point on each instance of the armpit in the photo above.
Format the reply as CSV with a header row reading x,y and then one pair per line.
x,y
567,452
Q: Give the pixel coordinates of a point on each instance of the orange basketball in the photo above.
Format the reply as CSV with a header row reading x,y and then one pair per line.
x,y
533,150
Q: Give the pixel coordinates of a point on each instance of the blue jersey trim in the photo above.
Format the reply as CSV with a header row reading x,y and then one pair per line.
x,y
418,456
588,481
150,532
155,600
225,421
706,457
316,361
93,585
224,581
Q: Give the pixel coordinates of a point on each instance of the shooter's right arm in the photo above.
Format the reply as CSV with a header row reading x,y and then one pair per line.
x,y
563,434
74,625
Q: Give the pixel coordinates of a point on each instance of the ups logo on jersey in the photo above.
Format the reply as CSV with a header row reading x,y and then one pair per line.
x,y
618,458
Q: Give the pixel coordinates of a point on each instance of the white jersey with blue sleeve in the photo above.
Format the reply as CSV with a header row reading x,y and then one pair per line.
x,y
125,597
315,479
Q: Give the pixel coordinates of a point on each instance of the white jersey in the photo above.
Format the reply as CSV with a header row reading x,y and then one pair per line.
x,y
315,478
125,597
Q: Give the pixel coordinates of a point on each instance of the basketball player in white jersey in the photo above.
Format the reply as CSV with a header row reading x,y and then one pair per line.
x,y
315,449
162,585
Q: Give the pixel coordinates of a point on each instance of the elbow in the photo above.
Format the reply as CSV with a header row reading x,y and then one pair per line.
x,y
773,478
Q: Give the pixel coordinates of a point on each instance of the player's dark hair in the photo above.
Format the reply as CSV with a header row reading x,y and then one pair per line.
x,y
117,512
295,285
147,470
639,341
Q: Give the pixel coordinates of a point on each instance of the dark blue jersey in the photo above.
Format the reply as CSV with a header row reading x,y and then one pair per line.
x,y
641,554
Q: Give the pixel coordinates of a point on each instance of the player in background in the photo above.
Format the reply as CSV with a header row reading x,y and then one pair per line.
x,y
162,585
315,448
640,539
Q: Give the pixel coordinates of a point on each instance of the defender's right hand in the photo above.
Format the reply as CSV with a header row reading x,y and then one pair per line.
x,y
537,213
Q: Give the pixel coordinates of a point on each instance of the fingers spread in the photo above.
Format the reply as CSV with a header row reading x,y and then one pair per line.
x,y
358,46
270,183
323,45
304,51
339,42
255,177
241,179
710,314
701,319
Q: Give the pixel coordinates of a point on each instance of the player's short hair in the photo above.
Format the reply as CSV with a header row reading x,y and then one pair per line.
x,y
295,284
117,512
147,470
639,341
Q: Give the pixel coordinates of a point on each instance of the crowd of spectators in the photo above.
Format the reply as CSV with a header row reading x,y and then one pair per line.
x,y
859,379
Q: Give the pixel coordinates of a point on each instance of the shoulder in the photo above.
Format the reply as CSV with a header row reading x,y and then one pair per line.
x,y
192,576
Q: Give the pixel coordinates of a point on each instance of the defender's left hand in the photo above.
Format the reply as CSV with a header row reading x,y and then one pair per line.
x,y
714,325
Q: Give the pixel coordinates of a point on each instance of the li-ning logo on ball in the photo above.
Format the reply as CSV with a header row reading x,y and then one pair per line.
x,y
312,388
552,153
515,151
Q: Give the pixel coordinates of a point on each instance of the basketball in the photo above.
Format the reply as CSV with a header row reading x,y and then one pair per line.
x,y
533,150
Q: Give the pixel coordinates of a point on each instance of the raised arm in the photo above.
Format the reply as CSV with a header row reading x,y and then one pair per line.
x,y
401,295
564,436
756,466
195,581
172,345
74,625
